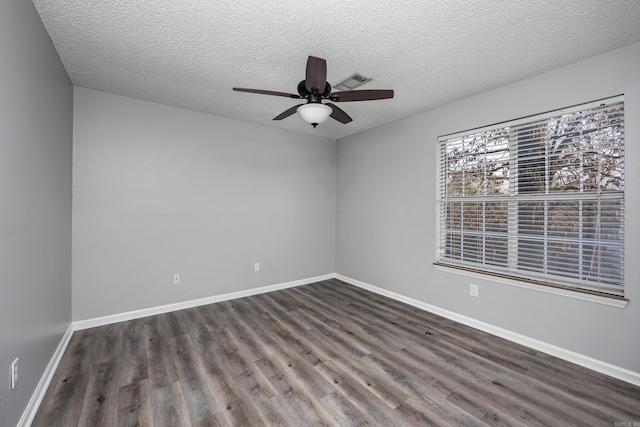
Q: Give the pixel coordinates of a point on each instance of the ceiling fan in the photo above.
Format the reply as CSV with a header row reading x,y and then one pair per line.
x,y
314,89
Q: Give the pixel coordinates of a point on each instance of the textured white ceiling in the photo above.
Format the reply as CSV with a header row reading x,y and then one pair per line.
x,y
190,53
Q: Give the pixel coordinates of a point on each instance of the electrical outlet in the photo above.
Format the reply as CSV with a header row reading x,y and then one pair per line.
x,y
256,266
176,279
14,374
473,290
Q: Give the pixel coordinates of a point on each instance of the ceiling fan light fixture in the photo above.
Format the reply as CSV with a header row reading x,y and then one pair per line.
x,y
314,113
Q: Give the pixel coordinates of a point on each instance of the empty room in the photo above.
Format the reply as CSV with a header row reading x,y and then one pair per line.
x,y
383,213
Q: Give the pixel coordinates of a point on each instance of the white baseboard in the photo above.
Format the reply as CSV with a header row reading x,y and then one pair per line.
x,y
152,311
570,356
36,398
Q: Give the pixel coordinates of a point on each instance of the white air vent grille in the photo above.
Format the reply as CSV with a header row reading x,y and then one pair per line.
x,y
353,82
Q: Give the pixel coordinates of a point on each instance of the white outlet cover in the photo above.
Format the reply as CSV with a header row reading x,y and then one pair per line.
x,y
473,290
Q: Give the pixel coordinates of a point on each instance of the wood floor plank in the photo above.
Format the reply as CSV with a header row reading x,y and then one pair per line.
x,y
384,389
227,389
311,410
245,337
344,411
169,407
134,404
100,404
161,365
218,420
420,391
255,384
536,403
197,391
134,351
271,411
327,353
173,325
359,395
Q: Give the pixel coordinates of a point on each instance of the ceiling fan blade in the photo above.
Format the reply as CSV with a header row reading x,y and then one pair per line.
x,y
267,92
287,113
361,95
338,114
316,77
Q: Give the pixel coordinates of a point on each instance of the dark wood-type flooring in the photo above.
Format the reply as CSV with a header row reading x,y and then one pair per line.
x,y
322,354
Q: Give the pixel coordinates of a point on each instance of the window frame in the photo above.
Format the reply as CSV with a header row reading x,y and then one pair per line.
x,y
535,281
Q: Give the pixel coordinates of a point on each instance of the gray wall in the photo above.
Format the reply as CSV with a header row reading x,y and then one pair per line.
x,y
386,221
161,190
35,202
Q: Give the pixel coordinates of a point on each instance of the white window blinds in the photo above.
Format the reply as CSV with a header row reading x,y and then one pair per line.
x,y
539,199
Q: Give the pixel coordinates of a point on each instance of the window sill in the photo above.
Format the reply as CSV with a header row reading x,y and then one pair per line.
x,y
612,302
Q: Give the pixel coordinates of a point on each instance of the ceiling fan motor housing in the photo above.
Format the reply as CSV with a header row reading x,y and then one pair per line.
x,y
313,96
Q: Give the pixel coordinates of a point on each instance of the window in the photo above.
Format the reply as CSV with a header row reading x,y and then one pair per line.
x,y
539,199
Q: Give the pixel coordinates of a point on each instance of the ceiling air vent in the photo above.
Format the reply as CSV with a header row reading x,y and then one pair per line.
x,y
353,82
